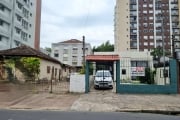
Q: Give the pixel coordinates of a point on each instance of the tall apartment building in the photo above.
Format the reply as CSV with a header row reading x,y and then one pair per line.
x,y
20,23
141,25
70,52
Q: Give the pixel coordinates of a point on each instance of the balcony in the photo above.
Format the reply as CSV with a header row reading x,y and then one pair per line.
x,y
174,2
133,20
133,2
9,5
19,12
175,20
5,18
175,7
18,24
4,32
133,33
20,1
17,37
174,13
133,14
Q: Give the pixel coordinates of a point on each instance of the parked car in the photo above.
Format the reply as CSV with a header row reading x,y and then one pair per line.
x,y
103,79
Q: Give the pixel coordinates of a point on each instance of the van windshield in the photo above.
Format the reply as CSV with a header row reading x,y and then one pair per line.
x,y
103,74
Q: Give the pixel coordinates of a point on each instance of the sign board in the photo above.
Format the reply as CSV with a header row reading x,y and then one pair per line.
x,y
137,71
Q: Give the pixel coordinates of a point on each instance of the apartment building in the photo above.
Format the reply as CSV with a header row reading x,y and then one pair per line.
x,y
20,23
141,25
70,52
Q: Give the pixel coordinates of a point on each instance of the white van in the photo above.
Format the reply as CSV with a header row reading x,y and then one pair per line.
x,y
103,79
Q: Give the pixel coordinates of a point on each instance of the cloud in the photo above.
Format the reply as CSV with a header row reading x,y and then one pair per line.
x,y
66,19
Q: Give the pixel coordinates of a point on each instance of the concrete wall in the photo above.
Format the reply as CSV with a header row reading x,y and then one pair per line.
x,y
172,88
159,79
77,83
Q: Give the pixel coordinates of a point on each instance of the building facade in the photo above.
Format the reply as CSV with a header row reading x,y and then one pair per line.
x,y
70,52
20,23
147,24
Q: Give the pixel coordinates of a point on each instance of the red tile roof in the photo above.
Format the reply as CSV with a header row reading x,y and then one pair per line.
x,y
72,41
102,57
26,51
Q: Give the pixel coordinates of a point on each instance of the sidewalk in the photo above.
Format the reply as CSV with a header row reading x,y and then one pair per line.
x,y
96,101
104,101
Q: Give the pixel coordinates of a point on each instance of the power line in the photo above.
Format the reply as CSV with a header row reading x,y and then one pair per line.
x,y
87,16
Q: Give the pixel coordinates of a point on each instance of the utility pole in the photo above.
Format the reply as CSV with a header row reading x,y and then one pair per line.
x,y
173,52
83,51
163,44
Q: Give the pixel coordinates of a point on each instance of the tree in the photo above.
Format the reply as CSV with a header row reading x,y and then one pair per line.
x,y
32,65
157,53
105,47
48,49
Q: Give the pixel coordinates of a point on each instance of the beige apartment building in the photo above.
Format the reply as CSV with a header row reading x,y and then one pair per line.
x,y
20,23
141,25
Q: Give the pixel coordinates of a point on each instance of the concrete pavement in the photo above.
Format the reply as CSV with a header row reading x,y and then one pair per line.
x,y
96,101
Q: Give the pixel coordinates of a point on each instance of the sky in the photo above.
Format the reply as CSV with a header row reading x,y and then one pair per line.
x,y
71,19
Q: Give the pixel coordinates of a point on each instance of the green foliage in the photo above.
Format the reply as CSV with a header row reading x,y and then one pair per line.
x,y
83,69
32,65
149,76
105,47
48,49
157,52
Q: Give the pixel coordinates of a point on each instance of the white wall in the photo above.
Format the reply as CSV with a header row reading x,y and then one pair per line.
x,y
77,83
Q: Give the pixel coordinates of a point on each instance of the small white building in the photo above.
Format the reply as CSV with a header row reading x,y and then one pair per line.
x,y
132,64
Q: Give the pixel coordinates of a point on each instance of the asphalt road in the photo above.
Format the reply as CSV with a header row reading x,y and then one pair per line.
x,y
57,115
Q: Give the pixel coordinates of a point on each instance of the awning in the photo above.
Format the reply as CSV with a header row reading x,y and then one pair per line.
x,y
102,57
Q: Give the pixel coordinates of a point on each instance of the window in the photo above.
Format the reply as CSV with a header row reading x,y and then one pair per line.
x,y
65,58
18,18
151,37
1,23
145,12
74,58
75,50
145,24
151,18
55,71
150,11
151,30
18,31
65,51
123,71
145,43
74,63
0,38
150,5
48,69
144,5
19,5
25,24
145,37
2,7
56,55
151,43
